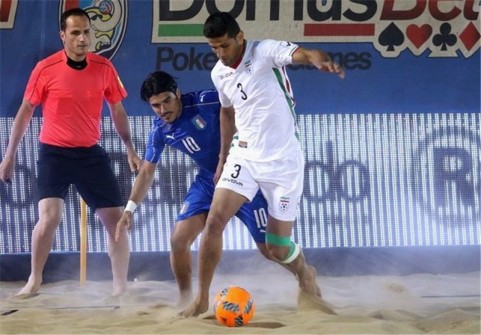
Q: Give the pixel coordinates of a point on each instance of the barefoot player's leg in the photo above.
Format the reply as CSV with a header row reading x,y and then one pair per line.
x,y
99,187
119,251
224,205
185,233
50,216
288,253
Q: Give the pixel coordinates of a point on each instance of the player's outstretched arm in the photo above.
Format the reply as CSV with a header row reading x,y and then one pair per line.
x,y
142,183
317,58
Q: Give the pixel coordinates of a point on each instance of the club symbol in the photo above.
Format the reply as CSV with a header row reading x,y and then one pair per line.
x,y
444,38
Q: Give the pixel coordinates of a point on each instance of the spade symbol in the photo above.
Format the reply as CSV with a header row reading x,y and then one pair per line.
x,y
391,36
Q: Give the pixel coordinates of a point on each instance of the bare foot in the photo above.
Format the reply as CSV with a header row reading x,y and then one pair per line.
x,y
309,302
308,284
310,297
119,289
196,308
185,297
30,289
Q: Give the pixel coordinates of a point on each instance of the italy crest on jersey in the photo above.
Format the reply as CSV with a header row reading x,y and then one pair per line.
x,y
199,122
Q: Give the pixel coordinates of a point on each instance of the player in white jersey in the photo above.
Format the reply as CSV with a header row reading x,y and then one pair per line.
x,y
257,102
267,128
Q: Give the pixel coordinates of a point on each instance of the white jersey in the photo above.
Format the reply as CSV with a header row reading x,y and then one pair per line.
x,y
260,92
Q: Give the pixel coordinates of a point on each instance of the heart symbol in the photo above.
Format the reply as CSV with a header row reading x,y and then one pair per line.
x,y
419,34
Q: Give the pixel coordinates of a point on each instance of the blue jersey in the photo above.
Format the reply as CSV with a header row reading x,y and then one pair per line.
x,y
196,132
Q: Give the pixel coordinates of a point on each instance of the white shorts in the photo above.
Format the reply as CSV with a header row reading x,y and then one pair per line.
x,y
281,182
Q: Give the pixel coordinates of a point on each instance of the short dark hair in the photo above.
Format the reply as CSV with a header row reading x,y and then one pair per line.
x,y
71,12
221,23
155,83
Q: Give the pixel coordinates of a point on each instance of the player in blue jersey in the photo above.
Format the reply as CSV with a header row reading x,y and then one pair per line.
x,y
189,123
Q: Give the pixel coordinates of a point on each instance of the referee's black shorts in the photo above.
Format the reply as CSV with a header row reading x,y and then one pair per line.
x,y
87,168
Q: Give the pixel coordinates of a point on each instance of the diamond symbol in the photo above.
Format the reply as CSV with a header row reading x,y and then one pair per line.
x,y
470,36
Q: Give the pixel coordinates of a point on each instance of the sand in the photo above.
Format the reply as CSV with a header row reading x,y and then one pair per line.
x,y
412,304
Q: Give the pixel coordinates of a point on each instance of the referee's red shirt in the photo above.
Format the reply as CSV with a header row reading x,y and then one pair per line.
x,y
71,99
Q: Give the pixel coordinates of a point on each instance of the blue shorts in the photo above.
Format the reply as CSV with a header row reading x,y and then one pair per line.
x,y
87,168
199,197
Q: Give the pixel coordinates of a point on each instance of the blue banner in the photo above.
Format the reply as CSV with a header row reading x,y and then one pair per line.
x,y
441,75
